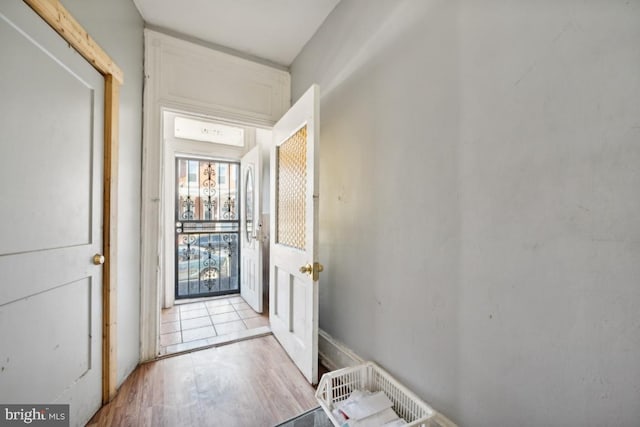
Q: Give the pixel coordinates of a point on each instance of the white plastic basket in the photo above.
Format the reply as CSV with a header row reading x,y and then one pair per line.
x,y
336,386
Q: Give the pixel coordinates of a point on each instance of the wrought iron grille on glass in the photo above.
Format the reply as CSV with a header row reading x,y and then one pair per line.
x,y
207,228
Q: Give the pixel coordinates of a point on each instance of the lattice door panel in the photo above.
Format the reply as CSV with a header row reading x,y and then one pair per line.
x,y
291,188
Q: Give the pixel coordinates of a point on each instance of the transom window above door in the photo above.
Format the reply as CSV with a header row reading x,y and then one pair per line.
x,y
202,130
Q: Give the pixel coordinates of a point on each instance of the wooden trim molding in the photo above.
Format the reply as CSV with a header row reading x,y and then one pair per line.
x,y
109,237
54,13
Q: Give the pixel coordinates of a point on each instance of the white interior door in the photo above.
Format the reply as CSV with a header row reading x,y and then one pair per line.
x,y
294,267
250,230
51,145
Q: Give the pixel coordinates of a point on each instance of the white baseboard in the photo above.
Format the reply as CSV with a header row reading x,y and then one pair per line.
x,y
335,355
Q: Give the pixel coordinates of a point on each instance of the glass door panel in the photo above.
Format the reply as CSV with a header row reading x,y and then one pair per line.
x,y
207,228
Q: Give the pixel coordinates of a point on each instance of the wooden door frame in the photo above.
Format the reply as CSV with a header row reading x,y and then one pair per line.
x,y
54,14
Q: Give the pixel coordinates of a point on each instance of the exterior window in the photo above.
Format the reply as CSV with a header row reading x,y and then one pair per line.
x,y
222,175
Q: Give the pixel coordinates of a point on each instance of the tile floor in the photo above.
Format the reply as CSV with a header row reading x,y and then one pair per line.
x,y
200,324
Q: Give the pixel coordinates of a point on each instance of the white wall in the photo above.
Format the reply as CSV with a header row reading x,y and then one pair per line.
x,y
479,202
117,27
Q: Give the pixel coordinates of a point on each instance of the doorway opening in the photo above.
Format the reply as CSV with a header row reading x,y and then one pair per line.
x,y
206,223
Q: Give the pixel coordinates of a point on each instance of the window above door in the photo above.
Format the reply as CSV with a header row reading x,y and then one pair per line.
x,y
206,131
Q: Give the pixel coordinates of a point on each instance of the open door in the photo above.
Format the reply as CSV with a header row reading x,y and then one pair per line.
x,y
294,267
250,230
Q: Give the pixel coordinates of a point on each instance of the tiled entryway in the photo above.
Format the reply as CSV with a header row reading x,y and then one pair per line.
x,y
201,324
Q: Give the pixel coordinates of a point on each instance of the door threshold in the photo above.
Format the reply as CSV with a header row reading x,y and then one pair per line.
x,y
191,346
204,299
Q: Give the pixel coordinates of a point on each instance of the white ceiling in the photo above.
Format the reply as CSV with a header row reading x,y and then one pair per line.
x,y
275,30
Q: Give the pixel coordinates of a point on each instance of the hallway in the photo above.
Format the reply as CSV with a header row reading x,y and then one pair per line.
x,y
248,383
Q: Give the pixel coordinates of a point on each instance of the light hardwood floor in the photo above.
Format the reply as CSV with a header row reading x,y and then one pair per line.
x,y
250,383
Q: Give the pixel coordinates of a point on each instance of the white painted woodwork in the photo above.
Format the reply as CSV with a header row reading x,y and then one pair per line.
x,y
251,241
334,354
293,296
224,86
214,84
50,218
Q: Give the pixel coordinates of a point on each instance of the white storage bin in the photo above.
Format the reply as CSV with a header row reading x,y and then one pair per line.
x,y
336,386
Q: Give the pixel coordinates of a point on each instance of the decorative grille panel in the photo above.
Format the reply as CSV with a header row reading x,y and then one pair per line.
x,y
292,184
207,228
207,190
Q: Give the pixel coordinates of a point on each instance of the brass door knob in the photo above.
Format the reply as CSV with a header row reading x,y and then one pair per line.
x,y
98,259
312,270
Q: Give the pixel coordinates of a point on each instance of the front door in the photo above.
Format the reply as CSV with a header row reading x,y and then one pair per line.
x,y
294,267
51,147
207,228
251,227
